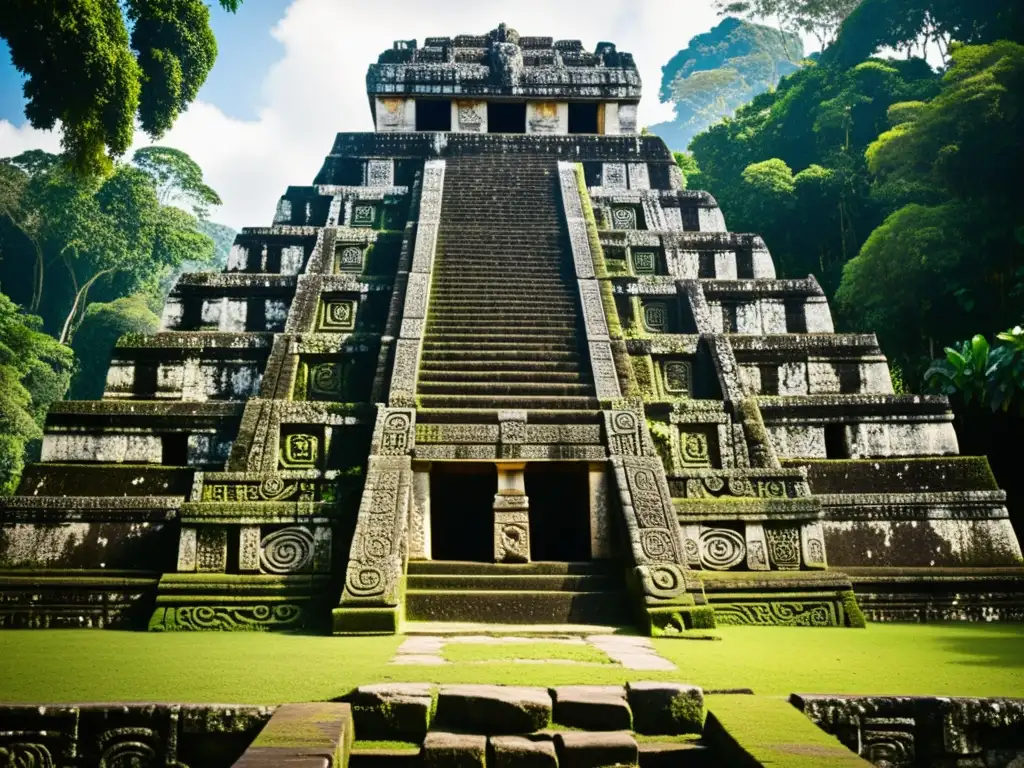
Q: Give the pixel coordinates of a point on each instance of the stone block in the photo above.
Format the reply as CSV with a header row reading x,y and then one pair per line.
x,y
595,750
304,736
666,708
493,709
454,750
524,752
593,707
392,711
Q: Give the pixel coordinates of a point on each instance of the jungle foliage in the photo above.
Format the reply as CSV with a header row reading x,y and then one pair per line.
x,y
95,66
892,183
84,260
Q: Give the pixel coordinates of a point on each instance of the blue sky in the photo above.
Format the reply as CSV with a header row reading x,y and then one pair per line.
x,y
291,74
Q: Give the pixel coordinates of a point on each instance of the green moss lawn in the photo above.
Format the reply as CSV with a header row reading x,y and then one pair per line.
x,y
91,665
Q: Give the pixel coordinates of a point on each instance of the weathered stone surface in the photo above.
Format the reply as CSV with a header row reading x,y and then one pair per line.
x,y
593,707
454,750
493,709
524,752
666,708
595,750
303,735
392,711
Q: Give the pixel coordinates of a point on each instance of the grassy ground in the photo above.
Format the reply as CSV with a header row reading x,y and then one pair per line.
x,y
539,651
83,665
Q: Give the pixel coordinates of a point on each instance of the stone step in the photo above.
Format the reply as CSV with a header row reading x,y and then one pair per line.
x,y
537,568
677,754
490,388
524,583
517,607
483,376
514,402
483,335
499,346
497,367
490,355
453,324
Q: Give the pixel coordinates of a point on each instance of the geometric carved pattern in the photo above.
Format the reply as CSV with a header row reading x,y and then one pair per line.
x,y
654,532
394,432
614,176
363,215
693,448
376,558
656,316
300,451
336,315
784,548
644,262
326,380
348,258
380,173
289,550
678,377
783,613
721,549
623,218
623,430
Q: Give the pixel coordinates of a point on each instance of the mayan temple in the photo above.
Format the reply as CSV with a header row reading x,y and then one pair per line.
x,y
496,364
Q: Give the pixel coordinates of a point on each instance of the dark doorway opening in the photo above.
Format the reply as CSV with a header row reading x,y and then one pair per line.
x,y
559,496
461,511
505,117
582,118
835,442
433,115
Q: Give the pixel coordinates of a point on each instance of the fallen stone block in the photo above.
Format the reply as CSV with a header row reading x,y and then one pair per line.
x,y
524,752
392,711
454,750
666,708
577,749
593,707
303,736
493,709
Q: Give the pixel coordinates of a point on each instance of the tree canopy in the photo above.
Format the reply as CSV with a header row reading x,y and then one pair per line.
x,y
34,372
86,71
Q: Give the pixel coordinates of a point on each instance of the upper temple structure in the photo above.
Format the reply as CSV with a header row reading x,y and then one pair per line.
x,y
496,364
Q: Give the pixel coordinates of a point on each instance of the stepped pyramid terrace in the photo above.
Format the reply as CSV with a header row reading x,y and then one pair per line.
x,y
495,364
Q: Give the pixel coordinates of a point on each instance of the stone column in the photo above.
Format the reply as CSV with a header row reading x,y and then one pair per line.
x,y
419,513
511,515
600,525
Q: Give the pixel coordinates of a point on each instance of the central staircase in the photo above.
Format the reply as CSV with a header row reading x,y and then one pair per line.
x,y
504,329
533,593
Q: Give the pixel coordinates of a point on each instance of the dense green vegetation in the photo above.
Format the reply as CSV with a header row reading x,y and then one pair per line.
x,y
720,71
88,258
894,184
95,66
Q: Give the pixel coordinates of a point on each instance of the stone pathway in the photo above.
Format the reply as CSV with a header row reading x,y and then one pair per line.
x,y
628,651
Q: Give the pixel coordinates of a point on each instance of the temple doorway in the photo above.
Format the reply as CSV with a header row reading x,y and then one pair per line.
x,y
433,115
506,117
559,494
583,117
461,511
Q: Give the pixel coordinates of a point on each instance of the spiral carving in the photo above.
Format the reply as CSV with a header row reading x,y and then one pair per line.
x,y
286,551
128,754
721,549
656,544
625,421
365,581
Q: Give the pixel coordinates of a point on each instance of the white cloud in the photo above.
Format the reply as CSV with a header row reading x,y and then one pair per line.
x,y
318,87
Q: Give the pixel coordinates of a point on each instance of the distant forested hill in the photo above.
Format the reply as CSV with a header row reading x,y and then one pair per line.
x,y
720,71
